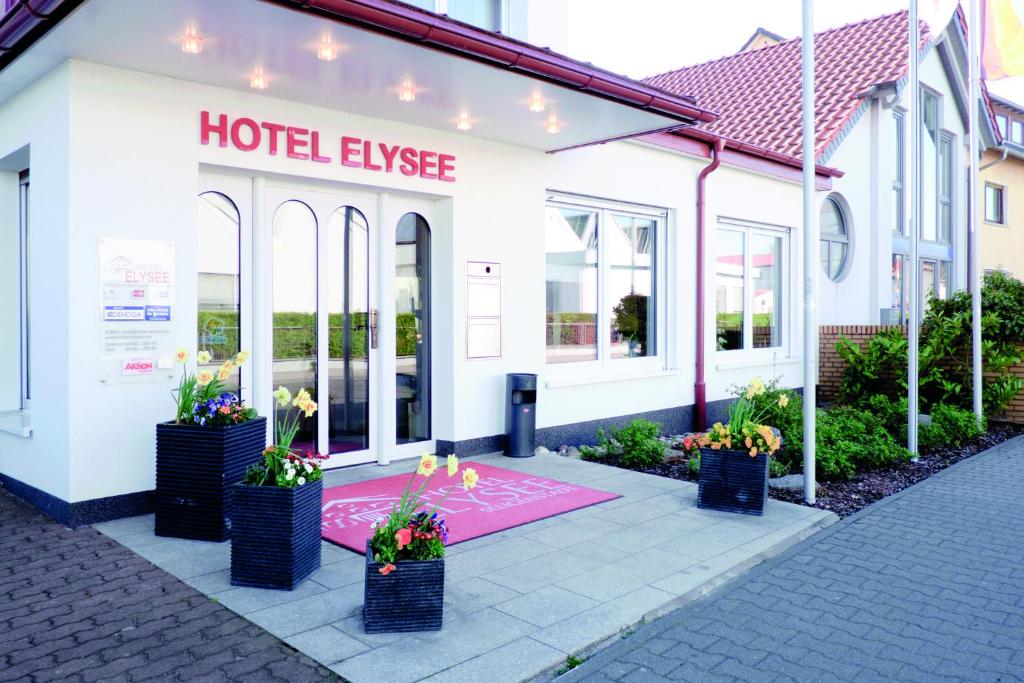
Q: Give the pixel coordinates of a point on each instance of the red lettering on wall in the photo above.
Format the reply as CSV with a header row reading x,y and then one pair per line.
x,y
275,129
246,134
205,128
446,167
315,149
367,152
254,134
389,152
295,136
410,163
349,151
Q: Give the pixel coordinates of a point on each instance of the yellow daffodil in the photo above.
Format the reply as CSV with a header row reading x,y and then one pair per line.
x,y
783,401
241,357
301,398
282,396
204,377
181,355
428,465
309,407
469,478
453,465
223,374
203,357
227,366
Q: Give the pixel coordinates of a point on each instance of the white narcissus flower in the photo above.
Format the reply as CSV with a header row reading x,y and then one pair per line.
x,y
289,475
203,357
302,480
283,396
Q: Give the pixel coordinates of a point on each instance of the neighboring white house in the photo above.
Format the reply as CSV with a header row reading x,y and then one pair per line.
x,y
861,129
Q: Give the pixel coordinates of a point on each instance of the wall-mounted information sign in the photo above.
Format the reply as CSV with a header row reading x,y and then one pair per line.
x,y
136,303
483,310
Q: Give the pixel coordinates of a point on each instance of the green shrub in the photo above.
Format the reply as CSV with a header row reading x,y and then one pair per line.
x,y
637,443
950,426
590,453
945,370
891,413
694,463
777,468
850,441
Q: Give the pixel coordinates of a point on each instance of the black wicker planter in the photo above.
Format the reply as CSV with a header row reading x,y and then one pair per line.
x,y
195,470
409,598
732,481
275,535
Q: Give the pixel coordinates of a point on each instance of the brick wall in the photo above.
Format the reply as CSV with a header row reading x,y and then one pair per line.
x,y
831,366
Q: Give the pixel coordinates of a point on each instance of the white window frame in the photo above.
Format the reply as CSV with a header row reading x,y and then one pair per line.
x,y
1002,194
1001,123
844,215
441,7
24,248
749,352
604,365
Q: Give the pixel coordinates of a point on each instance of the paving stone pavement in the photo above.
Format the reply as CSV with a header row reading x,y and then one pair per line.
x,y
925,586
77,606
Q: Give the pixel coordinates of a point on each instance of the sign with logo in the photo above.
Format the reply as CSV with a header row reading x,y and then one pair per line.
x,y
136,305
248,135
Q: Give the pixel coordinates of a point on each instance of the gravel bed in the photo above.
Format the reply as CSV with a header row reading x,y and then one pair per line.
x,y
847,497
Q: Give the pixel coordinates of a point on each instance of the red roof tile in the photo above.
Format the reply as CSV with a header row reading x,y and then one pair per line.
x,y
757,94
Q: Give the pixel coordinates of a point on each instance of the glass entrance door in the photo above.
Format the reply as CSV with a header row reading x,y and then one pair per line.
x,y
321,320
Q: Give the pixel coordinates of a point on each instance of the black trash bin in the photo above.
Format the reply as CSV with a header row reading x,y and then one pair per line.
x,y
520,414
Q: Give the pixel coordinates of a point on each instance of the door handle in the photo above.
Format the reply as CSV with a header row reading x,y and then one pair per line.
x,y
373,328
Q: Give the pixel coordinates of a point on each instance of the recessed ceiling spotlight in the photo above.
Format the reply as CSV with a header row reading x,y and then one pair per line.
x,y
536,103
191,42
407,91
258,80
327,50
463,122
553,125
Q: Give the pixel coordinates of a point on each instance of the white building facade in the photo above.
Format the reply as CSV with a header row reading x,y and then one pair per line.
x,y
392,226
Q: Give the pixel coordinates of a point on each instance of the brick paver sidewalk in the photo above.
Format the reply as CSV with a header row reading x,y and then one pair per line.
x,y
75,605
925,586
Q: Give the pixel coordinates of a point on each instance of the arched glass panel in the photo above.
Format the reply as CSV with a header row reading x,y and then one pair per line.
x,y
835,239
219,291
295,276
412,329
348,300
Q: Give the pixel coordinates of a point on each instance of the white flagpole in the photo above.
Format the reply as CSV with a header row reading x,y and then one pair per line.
x,y
974,75
911,273
811,263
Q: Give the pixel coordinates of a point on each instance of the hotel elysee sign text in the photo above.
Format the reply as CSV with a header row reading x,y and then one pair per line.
x,y
249,135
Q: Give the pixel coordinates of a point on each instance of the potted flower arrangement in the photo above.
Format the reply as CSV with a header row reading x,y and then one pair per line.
x,y
734,457
204,451
275,538
404,589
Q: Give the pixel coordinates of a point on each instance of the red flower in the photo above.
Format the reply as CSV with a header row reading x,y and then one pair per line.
x,y
387,569
687,443
404,537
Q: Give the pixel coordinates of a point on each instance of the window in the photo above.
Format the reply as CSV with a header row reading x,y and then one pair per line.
x,y
485,14
749,289
219,288
835,239
601,288
945,187
897,173
412,329
936,283
995,204
1001,123
929,166
1017,132
25,280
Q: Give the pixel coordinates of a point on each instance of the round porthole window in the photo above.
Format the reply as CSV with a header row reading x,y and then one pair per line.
x,y
835,238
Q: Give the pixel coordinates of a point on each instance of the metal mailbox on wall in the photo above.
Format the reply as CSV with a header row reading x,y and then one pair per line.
x,y
483,309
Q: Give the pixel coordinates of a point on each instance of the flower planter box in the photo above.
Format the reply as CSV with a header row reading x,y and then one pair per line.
x,y
409,598
195,470
732,481
275,535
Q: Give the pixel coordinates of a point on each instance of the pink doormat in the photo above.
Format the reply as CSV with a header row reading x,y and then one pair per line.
x,y
501,500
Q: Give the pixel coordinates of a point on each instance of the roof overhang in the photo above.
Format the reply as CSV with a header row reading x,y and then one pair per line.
x,y
453,67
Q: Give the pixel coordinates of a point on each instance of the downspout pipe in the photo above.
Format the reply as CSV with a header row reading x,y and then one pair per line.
x,y
700,399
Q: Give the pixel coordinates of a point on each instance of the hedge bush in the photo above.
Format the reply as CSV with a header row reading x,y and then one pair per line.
x,y
637,443
850,440
950,427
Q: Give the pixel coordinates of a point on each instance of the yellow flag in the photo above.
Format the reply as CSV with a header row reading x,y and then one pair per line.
x,y
1002,39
